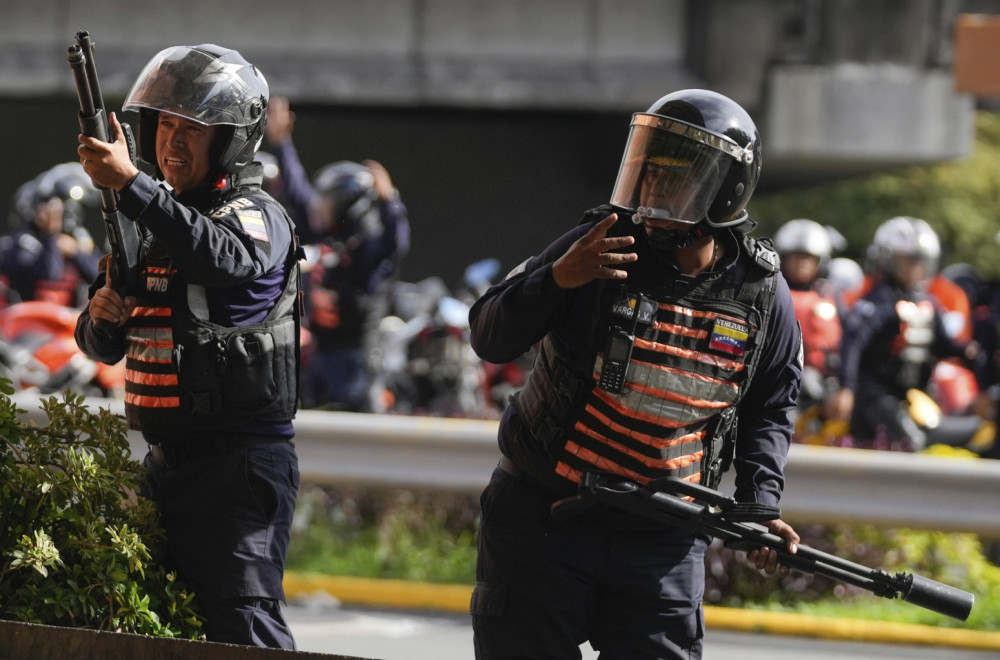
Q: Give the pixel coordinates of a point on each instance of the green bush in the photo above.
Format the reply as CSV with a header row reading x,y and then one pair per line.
x,y
77,539
385,533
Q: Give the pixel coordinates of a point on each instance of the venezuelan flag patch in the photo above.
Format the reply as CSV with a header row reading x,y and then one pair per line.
x,y
252,221
729,337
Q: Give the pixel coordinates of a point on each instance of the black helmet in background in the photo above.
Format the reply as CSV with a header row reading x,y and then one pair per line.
x,y
207,84
66,181
693,157
348,190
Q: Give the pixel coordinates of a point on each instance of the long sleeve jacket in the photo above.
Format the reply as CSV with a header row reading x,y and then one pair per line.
x,y
514,315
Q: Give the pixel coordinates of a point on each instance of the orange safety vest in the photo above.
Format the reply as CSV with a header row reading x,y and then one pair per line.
x,y
820,323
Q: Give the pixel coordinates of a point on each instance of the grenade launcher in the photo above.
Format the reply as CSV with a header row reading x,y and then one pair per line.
x,y
695,507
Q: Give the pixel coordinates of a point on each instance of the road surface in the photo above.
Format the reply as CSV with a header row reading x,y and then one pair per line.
x,y
326,627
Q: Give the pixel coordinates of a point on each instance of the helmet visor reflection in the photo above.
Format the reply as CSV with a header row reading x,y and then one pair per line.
x,y
671,170
203,87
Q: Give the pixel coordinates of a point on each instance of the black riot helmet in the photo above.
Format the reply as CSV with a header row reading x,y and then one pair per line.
x,y
693,157
207,84
73,186
68,182
350,188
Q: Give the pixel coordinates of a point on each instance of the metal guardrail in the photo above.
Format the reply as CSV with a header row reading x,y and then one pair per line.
x,y
824,485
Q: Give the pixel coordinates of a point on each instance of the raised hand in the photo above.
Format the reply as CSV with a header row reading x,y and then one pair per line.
x,y
592,257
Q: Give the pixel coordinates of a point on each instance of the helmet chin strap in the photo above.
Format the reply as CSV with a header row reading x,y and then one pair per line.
x,y
671,239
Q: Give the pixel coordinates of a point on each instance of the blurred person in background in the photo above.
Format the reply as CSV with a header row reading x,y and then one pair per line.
x,y
894,336
805,248
50,256
844,275
359,229
366,235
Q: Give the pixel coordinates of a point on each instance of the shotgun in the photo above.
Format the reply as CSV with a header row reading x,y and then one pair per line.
x,y
123,235
693,506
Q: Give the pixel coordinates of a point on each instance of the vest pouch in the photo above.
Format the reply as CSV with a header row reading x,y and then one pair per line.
x,y
720,449
248,376
256,376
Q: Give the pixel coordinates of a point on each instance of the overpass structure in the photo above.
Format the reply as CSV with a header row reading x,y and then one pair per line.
x,y
839,86
481,109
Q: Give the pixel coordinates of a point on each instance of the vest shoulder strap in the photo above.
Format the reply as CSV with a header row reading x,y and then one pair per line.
x,y
758,290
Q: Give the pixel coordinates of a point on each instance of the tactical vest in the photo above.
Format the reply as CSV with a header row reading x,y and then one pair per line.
x,y
910,361
692,358
186,373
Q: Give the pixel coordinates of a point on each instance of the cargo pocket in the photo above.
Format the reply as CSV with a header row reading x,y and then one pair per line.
x,y
487,600
687,631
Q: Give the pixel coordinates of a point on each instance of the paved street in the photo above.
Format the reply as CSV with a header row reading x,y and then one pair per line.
x,y
325,627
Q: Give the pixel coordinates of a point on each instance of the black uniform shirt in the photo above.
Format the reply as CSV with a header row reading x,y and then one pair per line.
x,y
516,313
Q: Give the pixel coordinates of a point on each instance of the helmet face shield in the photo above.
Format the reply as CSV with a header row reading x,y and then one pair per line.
x,y
672,170
207,84
198,85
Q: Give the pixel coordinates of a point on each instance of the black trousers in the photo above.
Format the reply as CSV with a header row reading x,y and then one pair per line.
x,y
544,587
228,523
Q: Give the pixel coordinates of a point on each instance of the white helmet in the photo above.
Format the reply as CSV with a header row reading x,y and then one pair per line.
x,y
845,274
803,235
905,236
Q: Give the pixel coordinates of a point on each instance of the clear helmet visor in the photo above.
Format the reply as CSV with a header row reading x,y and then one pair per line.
x,y
672,170
201,86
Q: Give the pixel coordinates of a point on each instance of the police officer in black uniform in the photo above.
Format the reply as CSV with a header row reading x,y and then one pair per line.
x,y
668,347
893,338
211,336
51,256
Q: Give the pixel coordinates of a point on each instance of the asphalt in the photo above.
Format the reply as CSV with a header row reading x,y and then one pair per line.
x,y
405,595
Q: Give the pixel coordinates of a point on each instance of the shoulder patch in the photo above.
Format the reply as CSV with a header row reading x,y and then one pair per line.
x,y
252,221
250,217
232,206
764,254
518,269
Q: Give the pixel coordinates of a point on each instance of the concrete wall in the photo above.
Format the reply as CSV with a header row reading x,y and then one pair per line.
x,y
516,53
502,121
779,58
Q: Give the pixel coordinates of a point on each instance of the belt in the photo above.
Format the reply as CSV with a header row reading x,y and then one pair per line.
x,y
508,465
615,519
174,453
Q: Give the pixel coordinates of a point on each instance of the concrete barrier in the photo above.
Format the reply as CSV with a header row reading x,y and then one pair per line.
x,y
29,641
824,484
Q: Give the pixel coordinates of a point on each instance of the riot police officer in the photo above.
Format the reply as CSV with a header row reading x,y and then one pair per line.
x,y
211,336
354,217
893,337
365,234
668,347
50,255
